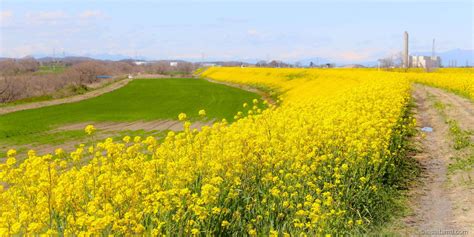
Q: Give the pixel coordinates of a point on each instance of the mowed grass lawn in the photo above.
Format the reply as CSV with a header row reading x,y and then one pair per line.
x,y
146,99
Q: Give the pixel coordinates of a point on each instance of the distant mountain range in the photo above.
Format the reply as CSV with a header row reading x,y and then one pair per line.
x,y
109,57
458,57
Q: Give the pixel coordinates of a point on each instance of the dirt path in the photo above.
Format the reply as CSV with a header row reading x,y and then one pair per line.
x,y
110,129
459,108
112,87
159,125
94,93
440,203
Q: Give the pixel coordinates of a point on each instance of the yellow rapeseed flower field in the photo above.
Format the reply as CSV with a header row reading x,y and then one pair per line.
x,y
322,160
459,81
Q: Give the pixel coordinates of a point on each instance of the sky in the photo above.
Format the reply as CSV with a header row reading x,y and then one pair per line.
x,y
344,31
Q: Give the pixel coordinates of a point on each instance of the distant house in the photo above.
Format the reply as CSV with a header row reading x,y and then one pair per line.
x,y
209,64
140,62
173,64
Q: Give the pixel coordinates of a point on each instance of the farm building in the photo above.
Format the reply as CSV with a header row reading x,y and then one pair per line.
x,y
424,61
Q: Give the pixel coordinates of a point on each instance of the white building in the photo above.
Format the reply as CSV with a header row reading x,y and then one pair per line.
x,y
173,64
140,62
424,61
209,64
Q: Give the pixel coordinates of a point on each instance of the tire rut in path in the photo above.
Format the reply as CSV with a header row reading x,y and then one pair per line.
x,y
76,98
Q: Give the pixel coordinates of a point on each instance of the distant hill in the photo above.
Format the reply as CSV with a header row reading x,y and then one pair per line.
x,y
107,57
111,57
65,59
462,57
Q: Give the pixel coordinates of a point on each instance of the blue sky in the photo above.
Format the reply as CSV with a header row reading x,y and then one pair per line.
x,y
347,31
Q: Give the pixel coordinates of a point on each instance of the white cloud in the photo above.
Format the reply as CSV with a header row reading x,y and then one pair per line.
x,y
253,32
5,15
25,50
46,17
5,18
256,36
91,14
354,56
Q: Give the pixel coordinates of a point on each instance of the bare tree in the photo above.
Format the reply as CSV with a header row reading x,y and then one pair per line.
x,y
14,67
261,63
18,79
387,62
28,64
9,67
10,89
398,59
88,71
4,88
185,68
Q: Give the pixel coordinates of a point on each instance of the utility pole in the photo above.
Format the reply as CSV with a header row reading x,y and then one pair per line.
x,y
54,59
405,53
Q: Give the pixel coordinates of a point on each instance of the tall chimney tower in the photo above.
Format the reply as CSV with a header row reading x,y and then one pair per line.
x,y
405,51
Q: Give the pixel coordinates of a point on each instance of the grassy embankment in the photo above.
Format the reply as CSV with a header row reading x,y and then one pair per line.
x,y
140,100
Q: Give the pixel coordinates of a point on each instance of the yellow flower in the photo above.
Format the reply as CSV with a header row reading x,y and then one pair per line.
x,y
11,161
288,163
195,231
137,139
11,153
59,151
126,139
202,113
90,129
31,153
225,224
216,210
182,116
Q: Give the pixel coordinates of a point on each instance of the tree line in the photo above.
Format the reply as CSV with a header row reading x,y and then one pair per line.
x,y
22,78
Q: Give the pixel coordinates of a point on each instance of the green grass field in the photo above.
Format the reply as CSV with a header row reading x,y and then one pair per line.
x,y
145,99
